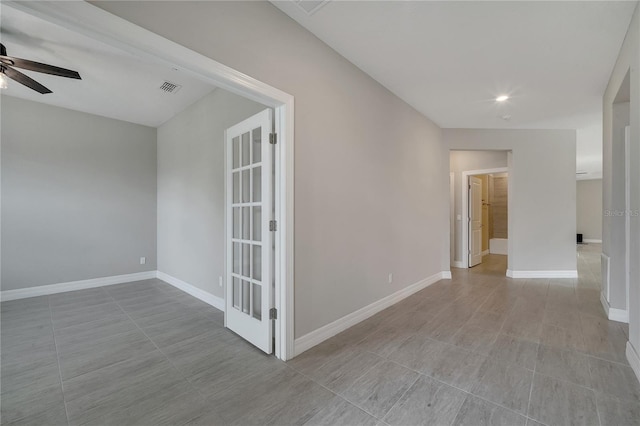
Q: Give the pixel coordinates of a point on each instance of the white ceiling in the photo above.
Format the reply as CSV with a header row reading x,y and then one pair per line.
x,y
114,83
450,59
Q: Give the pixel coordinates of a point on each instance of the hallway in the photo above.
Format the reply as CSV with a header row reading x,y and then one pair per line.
x,y
487,349
480,349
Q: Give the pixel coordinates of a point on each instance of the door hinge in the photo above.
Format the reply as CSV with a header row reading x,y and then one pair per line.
x,y
273,313
273,138
273,225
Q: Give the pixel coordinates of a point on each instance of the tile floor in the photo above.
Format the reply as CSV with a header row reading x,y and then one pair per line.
x,y
480,349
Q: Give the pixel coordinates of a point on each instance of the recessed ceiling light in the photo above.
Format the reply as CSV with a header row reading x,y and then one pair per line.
x,y
502,98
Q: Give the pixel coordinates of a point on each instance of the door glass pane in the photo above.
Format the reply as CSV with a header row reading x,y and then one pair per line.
x,y
246,183
236,222
257,301
246,223
246,149
257,145
236,187
236,258
235,148
257,263
246,260
257,223
236,293
246,296
256,173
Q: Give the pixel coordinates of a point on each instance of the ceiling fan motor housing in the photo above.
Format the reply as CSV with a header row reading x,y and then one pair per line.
x,y
7,63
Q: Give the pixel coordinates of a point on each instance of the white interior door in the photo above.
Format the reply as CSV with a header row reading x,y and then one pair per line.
x,y
475,221
249,202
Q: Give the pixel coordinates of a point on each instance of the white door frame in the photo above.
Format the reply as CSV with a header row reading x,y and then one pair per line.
x,y
464,186
452,219
627,215
96,23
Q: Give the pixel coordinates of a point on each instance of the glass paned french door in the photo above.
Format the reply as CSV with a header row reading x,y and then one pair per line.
x,y
249,248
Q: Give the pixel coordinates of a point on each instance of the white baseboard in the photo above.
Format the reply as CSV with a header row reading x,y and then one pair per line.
x,y
457,264
323,333
619,315
604,303
542,274
592,241
499,246
43,290
614,314
446,275
206,297
486,252
634,359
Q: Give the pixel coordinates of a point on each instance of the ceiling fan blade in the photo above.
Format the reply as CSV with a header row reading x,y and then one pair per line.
x,y
39,67
26,80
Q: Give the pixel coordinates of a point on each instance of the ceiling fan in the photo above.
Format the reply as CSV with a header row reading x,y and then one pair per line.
x,y
8,62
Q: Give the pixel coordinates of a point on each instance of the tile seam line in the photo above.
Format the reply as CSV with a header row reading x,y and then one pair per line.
x,y
205,396
462,390
337,394
64,399
180,374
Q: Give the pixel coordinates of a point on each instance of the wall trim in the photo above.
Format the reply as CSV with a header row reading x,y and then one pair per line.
x,y
446,275
604,303
43,290
485,252
589,240
634,359
457,264
614,314
542,274
605,265
325,332
194,291
619,315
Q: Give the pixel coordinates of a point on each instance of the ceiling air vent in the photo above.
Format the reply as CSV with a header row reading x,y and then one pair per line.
x,y
311,6
170,87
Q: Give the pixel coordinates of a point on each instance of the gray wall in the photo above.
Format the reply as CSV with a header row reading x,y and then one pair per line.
x,y
78,195
589,208
628,58
461,161
371,184
191,188
542,189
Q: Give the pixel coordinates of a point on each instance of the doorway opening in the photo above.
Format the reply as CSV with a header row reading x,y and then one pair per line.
x,y
480,199
488,213
93,22
487,219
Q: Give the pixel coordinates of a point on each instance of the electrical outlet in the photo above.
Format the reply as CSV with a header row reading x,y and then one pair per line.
x,y
143,260
220,280
390,278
